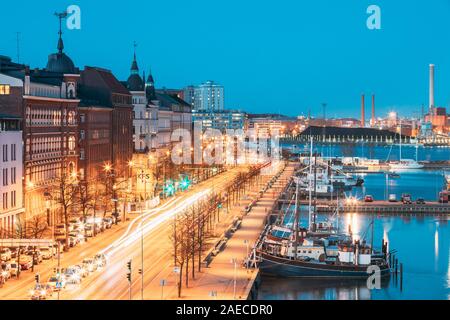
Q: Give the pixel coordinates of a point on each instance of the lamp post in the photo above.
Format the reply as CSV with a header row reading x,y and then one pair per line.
x,y
234,262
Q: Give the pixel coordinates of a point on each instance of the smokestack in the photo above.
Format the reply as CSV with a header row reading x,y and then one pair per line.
x,y
373,110
431,106
363,113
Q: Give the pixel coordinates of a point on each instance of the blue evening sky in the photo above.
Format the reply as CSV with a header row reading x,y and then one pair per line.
x,y
271,56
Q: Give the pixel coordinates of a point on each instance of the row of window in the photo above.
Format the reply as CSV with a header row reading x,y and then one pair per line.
x,y
4,89
6,153
12,203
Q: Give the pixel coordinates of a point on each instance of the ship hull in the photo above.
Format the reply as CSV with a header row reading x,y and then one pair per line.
x,y
281,267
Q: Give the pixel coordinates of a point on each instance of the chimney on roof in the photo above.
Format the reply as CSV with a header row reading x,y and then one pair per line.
x,y
363,115
373,111
431,106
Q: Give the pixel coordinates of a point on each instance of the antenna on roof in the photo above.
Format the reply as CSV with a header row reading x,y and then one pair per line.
x,y
18,46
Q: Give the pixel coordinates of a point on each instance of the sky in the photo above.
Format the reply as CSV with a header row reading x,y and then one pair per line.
x,y
285,56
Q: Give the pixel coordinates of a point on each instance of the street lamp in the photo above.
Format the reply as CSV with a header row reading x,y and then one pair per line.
x,y
234,262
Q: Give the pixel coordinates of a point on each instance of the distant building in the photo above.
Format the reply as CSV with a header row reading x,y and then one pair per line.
x,y
208,97
11,172
222,120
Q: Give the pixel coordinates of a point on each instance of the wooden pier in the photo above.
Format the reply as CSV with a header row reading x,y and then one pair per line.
x,y
384,207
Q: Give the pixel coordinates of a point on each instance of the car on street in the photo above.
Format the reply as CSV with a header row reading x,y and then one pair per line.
x,y
57,282
88,230
46,252
6,270
14,268
100,259
108,222
25,262
41,292
35,255
82,270
392,198
368,198
72,275
420,201
5,254
90,264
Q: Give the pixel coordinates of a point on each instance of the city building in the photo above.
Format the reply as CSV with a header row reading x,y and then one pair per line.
x,y
11,172
46,100
221,120
208,96
108,122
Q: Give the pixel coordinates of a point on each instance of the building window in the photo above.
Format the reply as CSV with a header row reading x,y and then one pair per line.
x,y
13,176
5,177
5,153
4,89
71,143
81,154
82,118
13,152
82,134
13,199
5,200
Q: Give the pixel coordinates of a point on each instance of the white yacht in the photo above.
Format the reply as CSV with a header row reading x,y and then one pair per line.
x,y
405,164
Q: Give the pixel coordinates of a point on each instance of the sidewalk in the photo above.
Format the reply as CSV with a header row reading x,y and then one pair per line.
x,y
217,281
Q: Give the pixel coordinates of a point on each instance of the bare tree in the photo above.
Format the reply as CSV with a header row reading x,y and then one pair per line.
x,y
65,194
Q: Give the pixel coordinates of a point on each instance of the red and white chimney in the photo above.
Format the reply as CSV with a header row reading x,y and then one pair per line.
x,y
372,121
363,112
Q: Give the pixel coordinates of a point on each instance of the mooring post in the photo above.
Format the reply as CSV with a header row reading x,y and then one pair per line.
x,y
401,276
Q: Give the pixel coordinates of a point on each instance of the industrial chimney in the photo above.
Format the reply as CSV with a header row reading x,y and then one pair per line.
x,y
431,106
372,122
363,113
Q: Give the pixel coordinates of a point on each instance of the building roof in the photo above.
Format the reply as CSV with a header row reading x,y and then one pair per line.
x,y
98,85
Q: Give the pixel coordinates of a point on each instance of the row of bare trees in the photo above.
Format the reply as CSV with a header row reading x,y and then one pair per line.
x,y
193,227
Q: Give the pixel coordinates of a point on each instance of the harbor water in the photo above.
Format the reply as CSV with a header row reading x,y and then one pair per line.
x,y
422,242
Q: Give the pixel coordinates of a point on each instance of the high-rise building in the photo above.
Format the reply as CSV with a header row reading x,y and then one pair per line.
x,y
209,97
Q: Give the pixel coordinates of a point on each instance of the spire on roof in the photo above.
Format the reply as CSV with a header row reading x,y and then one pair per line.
x,y
134,65
60,16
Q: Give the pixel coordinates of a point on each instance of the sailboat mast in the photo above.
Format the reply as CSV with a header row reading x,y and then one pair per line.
x,y
296,218
400,139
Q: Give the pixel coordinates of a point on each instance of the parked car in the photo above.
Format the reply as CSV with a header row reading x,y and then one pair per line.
x,y
14,268
392,198
25,262
14,253
368,198
5,254
90,264
108,222
406,198
46,252
6,270
88,230
35,255
420,201
73,241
